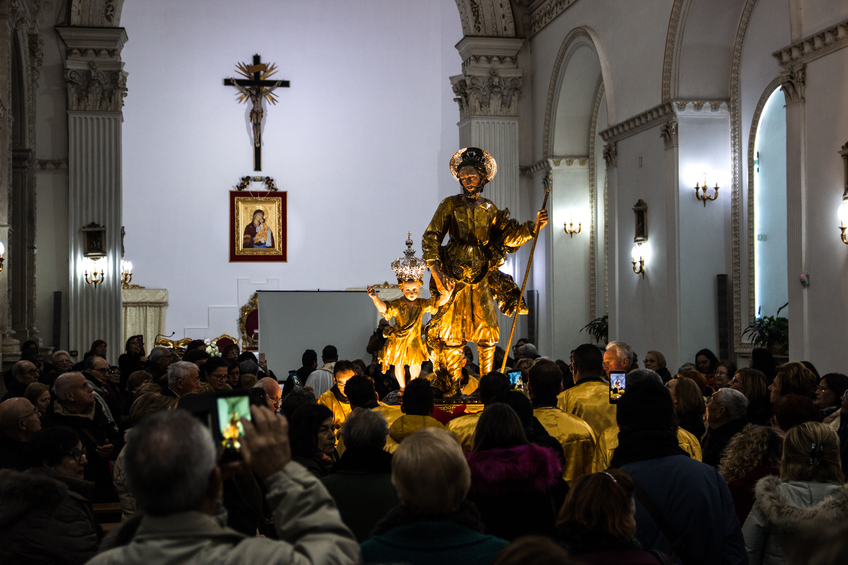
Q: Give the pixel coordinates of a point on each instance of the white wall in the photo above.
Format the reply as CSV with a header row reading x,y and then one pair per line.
x,y
360,142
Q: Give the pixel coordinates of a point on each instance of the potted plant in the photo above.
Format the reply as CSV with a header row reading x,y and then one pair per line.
x,y
770,332
598,329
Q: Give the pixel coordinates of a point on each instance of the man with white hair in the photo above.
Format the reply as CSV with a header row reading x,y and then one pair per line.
x,y
157,363
617,357
172,472
273,392
19,420
726,416
183,379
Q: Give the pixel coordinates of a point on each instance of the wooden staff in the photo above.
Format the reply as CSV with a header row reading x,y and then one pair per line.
x,y
524,284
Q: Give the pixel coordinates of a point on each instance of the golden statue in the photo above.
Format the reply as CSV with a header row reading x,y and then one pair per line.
x,y
480,237
231,433
404,346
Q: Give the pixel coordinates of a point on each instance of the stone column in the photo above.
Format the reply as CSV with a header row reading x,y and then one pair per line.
x,y
96,84
487,92
792,85
612,251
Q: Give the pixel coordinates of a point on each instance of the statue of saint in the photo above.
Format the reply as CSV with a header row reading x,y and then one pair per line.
x,y
480,237
404,346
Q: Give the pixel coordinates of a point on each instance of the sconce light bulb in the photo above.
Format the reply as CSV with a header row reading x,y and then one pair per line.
x,y
2,249
635,252
842,213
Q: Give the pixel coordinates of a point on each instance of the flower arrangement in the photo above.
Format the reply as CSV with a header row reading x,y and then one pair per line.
x,y
211,348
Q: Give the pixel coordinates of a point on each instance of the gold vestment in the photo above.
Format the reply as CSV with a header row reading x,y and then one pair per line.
x,y
404,346
463,429
608,441
589,400
574,435
340,409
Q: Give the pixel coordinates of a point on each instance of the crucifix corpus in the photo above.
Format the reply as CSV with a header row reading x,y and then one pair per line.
x,y
254,87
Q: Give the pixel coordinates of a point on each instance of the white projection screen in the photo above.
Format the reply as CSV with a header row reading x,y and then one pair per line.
x,y
292,321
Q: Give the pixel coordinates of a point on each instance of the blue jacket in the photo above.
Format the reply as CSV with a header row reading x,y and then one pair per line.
x,y
696,502
425,543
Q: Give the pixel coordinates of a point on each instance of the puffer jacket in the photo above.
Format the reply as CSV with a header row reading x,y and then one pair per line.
x,y
407,425
45,518
782,508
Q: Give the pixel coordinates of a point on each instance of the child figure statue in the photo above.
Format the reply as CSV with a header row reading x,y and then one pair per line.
x,y
404,346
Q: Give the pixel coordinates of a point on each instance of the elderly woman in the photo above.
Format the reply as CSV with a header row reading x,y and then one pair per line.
x,y
724,373
829,397
808,494
434,523
752,454
688,404
598,521
512,482
39,395
313,438
215,372
752,383
45,514
655,361
793,378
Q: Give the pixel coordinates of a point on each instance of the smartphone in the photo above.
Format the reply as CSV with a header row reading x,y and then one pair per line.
x,y
617,385
261,357
222,413
514,378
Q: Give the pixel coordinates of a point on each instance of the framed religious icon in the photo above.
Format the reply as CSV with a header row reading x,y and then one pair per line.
x,y
257,226
94,246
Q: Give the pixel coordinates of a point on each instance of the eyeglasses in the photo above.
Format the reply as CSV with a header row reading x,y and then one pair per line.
x,y
78,454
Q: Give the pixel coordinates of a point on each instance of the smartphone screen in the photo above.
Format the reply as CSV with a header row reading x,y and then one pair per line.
x,y
617,385
261,357
514,377
231,409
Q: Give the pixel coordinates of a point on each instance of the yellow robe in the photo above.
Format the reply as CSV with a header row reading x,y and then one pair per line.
x,y
463,428
407,425
340,409
575,436
589,401
608,441
471,385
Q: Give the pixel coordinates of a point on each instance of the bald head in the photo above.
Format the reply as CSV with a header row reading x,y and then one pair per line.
x,y
273,394
73,390
25,373
19,419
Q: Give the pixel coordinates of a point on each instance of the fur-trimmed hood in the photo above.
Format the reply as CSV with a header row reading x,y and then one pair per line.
x,y
791,505
522,469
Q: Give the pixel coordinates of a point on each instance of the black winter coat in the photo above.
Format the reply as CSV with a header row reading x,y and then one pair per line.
x,y
45,518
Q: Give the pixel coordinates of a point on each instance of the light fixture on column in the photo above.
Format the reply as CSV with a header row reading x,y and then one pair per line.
x,y
843,208
703,196
569,225
126,273
638,255
2,253
96,277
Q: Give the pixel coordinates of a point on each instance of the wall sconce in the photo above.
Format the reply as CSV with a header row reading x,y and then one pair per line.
x,y
126,273
843,209
2,253
638,255
703,197
95,277
569,226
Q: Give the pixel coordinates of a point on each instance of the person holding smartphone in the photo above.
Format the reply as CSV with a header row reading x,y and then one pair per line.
x,y
591,398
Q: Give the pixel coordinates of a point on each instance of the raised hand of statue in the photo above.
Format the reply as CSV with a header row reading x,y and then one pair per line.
x,y
371,292
541,219
442,280
449,284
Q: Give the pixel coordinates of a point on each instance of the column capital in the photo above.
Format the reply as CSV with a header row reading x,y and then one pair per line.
x,y
792,84
490,83
668,132
611,155
94,72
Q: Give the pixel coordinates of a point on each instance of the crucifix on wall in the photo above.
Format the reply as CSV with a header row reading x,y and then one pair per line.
x,y
254,88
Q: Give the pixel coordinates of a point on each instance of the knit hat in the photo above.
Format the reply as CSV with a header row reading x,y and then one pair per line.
x,y
646,404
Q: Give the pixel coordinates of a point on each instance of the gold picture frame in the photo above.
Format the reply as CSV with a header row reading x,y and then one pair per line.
x,y
258,226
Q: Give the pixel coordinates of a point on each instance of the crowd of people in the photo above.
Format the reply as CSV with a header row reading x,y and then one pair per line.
x,y
711,464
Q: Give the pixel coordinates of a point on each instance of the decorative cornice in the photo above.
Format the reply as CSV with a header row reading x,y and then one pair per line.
x,y
792,84
545,12
659,115
611,155
499,52
813,46
94,75
36,55
490,83
488,18
102,13
556,163
51,165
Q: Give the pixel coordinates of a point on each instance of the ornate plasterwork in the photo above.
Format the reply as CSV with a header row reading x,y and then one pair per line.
x,y
671,42
668,132
486,18
611,155
572,162
47,165
95,13
94,75
792,84
736,200
36,55
546,12
593,206
813,46
490,83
